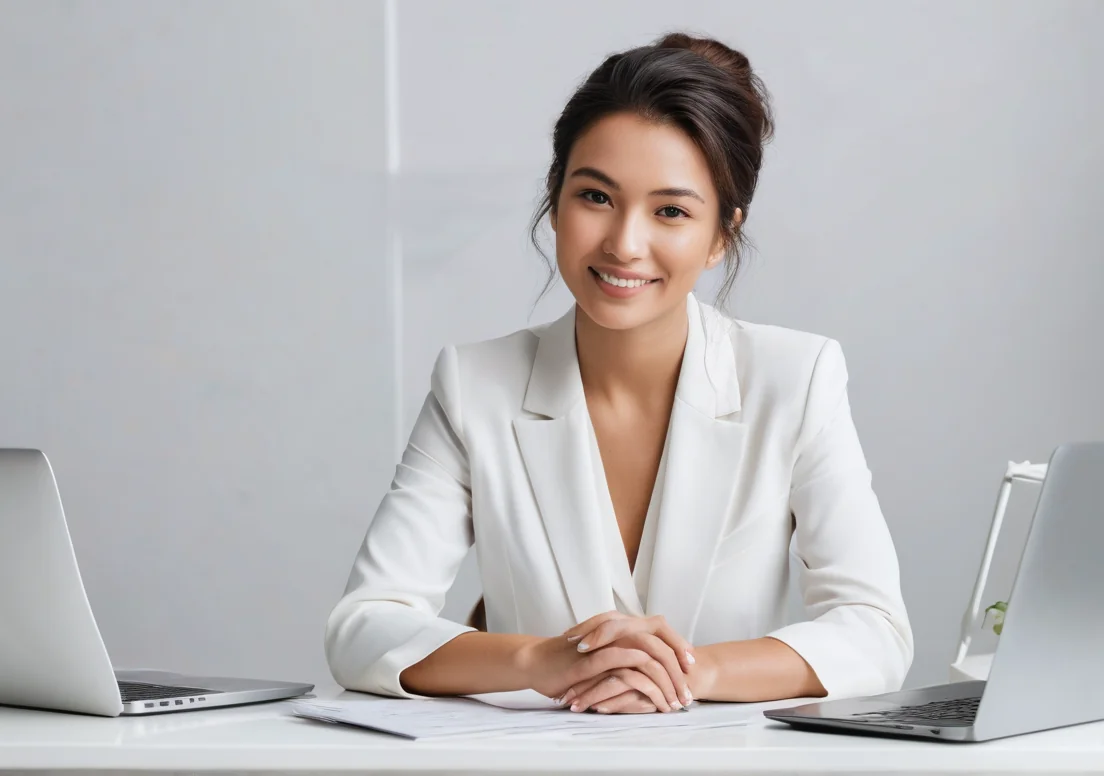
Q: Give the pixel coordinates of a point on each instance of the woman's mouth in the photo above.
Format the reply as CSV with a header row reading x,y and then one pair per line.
x,y
621,287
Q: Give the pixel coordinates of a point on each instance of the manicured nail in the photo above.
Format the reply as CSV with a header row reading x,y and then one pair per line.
x,y
676,706
567,696
574,706
690,658
689,698
600,709
584,647
573,639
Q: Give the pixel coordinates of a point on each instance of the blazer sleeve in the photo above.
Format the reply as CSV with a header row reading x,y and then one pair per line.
x,y
858,640
388,619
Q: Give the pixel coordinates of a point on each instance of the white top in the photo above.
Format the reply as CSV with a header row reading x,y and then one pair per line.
x,y
762,457
265,738
630,589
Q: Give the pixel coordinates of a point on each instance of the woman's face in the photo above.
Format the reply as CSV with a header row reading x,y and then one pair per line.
x,y
636,221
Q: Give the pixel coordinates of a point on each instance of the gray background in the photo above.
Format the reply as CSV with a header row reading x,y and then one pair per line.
x,y
199,319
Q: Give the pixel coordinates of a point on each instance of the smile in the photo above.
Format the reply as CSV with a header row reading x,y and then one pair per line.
x,y
622,282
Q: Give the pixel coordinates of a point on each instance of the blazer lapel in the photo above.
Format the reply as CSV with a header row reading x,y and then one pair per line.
x,y
556,452
706,443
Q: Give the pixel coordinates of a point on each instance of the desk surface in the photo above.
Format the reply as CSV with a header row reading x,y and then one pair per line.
x,y
266,738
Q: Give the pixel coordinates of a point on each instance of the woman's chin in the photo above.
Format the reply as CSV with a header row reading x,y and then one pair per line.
x,y
620,315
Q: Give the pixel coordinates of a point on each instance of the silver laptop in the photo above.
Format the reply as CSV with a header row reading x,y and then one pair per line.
x,y
51,652
1046,668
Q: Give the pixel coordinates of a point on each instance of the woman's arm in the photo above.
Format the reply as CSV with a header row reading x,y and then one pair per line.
x,y
858,640
755,670
388,618
472,663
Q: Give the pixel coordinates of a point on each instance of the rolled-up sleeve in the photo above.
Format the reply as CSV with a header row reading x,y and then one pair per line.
x,y
858,639
387,619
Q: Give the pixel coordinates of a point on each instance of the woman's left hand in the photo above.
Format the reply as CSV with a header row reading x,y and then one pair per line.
x,y
615,692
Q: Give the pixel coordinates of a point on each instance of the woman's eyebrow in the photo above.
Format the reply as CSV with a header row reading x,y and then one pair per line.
x,y
601,177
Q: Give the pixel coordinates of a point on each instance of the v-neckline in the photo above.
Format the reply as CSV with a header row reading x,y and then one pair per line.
x,y
630,586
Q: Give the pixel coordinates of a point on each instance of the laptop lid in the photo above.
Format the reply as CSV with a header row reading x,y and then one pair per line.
x,y
51,652
1046,667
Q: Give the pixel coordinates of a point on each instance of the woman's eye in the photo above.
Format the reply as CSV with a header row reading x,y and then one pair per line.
x,y
672,212
597,197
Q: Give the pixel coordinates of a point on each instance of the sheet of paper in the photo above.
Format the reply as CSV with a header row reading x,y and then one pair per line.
x,y
517,699
447,717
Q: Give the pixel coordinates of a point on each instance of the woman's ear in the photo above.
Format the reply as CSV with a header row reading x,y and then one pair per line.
x,y
717,256
552,218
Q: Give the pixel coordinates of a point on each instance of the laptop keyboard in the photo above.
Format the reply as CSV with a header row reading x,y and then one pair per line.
x,y
959,711
141,691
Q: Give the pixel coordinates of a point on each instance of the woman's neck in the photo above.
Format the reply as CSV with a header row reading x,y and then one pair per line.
x,y
640,366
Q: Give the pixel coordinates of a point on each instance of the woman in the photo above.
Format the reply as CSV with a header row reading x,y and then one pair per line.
x,y
632,474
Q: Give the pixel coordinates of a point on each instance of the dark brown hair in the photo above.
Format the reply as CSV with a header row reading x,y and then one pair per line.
x,y
697,84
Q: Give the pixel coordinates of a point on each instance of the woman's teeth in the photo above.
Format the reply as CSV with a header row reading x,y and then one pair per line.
x,y
621,282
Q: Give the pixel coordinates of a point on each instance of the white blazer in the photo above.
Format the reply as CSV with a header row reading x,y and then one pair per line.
x,y
761,459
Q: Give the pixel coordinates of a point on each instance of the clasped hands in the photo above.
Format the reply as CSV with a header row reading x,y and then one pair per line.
x,y
615,664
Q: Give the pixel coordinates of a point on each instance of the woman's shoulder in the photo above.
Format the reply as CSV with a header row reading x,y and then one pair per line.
x,y
767,342
489,372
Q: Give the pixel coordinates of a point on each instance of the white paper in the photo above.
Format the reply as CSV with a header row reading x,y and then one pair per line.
x,y
446,717
517,699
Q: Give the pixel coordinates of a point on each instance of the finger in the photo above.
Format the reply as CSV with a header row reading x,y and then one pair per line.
x,y
578,689
655,671
662,652
628,703
614,657
609,631
605,661
586,626
619,682
673,683
683,649
608,687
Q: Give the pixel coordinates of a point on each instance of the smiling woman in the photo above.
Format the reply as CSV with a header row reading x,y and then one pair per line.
x,y
635,474
709,114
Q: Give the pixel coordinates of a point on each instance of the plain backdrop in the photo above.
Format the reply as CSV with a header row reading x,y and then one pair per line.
x,y
202,324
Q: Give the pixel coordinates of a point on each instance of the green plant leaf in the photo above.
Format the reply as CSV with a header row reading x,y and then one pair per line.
x,y
998,609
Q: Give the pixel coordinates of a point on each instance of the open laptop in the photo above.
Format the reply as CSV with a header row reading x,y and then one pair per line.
x,y
1046,668
51,652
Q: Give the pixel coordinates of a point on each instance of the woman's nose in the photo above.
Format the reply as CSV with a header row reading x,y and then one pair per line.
x,y
627,237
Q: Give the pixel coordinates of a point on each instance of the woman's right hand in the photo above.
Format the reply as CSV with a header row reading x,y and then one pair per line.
x,y
552,666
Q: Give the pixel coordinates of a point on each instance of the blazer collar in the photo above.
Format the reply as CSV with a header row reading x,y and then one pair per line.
x,y
707,379
705,448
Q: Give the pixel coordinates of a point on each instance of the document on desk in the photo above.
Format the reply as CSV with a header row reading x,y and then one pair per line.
x,y
467,717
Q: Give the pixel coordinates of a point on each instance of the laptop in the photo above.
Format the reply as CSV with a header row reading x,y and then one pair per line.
x,y
1046,668
51,653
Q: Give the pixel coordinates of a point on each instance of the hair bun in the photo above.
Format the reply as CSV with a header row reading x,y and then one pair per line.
x,y
731,61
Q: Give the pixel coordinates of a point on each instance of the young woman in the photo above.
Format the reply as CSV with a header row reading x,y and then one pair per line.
x,y
635,474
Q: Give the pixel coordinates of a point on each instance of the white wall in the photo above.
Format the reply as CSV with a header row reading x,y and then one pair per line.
x,y
194,303
932,200
192,313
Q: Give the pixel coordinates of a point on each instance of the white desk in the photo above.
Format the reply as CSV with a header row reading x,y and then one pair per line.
x,y
265,738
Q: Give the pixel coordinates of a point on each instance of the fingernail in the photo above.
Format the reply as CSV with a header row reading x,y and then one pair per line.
x,y
573,639
600,709
567,696
690,658
574,706
689,698
676,706
584,647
